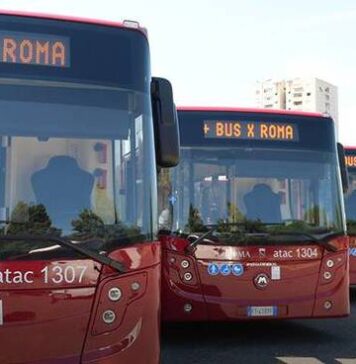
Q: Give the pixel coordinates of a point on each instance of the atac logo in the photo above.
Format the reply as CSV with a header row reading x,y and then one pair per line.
x,y
261,281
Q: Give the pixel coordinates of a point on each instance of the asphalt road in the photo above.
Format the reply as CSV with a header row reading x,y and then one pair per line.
x,y
292,342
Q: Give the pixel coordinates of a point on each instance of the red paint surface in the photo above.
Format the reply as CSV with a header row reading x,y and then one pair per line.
x,y
69,18
249,110
301,291
352,261
61,323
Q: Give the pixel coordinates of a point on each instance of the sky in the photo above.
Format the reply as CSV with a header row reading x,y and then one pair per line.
x,y
214,51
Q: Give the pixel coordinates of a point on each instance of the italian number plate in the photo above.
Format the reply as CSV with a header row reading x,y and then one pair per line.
x,y
262,311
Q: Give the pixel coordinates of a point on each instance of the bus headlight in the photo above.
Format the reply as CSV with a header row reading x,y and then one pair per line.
x,y
135,286
115,294
184,264
188,276
109,316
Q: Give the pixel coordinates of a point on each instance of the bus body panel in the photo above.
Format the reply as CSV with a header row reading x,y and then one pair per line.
x,y
59,330
298,293
138,325
177,292
352,254
73,315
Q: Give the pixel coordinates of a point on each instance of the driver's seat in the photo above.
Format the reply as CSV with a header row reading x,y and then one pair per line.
x,y
350,206
64,189
263,204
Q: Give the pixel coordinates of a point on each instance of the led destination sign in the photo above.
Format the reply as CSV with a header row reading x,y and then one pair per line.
x,y
34,49
250,130
350,161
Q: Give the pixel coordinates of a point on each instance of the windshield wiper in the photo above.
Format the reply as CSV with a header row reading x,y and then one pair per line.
x,y
323,241
252,232
103,259
312,238
191,246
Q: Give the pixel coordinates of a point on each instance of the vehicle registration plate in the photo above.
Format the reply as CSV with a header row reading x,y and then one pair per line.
x,y
259,311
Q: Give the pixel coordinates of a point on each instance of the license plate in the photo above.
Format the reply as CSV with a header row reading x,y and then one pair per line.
x,y
262,311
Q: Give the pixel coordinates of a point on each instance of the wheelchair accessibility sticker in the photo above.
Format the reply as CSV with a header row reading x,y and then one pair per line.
x,y
225,269
213,269
237,269
352,252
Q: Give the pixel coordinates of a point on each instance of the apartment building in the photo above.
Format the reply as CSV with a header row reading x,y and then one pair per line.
x,y
271,94
305,94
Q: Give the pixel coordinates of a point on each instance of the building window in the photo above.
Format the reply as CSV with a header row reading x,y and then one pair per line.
x,y
296,103
308,93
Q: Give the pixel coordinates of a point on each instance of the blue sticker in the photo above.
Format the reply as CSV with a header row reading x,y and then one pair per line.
x,y
213,269
172,199
237,269
225,269
352,252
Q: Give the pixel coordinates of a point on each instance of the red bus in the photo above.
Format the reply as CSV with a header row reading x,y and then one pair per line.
x,y
79,258
350,208
251,221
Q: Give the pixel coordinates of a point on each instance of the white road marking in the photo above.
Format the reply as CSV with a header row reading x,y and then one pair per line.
x,y
311,360
302,360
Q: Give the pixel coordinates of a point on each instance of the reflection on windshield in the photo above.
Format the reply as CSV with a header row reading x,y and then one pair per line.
x,y
75,163
261,190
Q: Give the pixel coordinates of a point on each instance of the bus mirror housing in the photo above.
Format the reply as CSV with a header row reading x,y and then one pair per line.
x,y
165,122
343,169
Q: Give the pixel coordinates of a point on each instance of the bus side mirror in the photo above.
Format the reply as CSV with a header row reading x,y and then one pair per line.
x,y
165,122
343,169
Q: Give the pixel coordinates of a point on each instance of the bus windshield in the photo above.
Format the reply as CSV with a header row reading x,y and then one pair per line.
x,y
75,162
350,202
271,189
